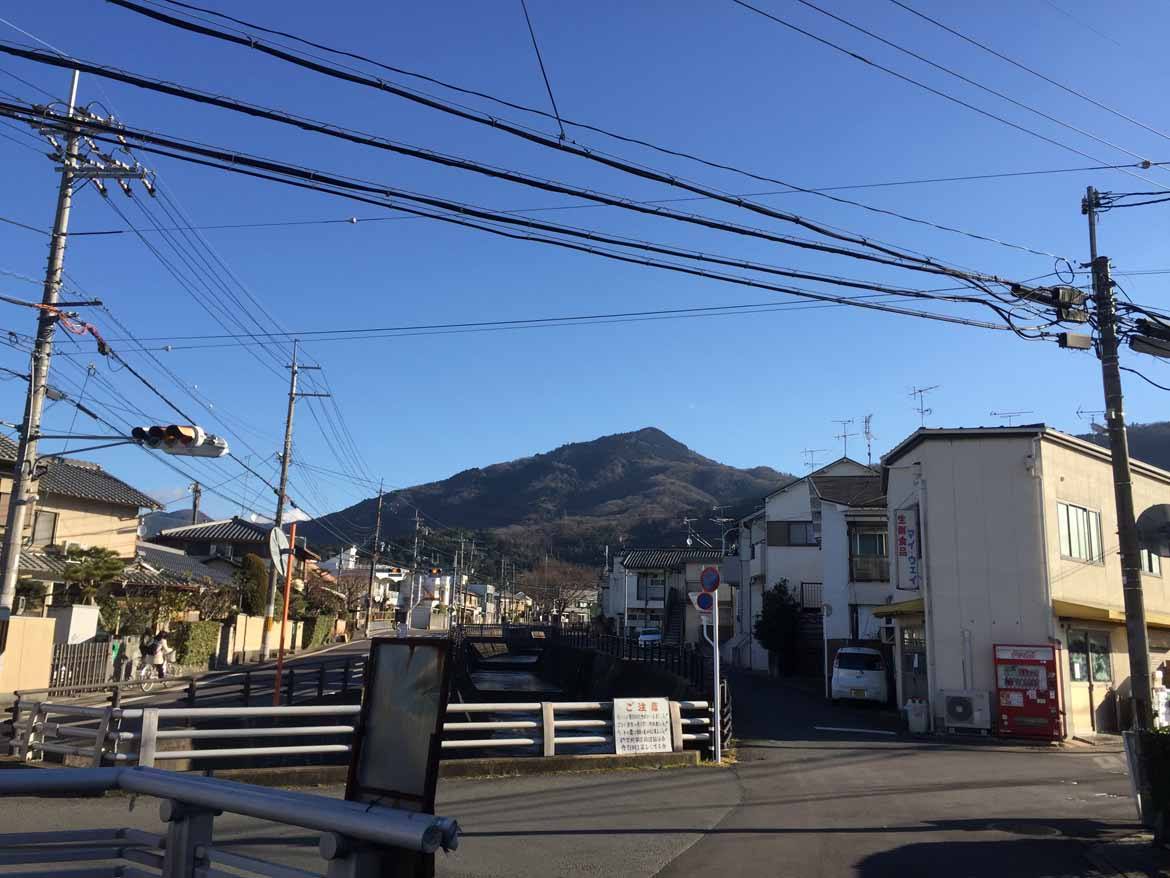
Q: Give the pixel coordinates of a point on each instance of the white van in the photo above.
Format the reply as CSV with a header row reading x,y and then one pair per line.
x,y
859,673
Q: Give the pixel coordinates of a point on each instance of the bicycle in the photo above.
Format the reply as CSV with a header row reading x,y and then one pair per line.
x,y
147,678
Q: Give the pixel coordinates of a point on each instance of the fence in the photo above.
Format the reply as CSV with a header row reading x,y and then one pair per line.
x,y
137,736
79,664
358,839
684,661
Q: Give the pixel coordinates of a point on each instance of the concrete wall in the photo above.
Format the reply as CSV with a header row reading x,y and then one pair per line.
x,y
28,656
244,636
76,623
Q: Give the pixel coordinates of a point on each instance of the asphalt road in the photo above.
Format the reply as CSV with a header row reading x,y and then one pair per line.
x,y
804,799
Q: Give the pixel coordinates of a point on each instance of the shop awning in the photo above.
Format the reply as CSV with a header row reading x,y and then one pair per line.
x,y
1096,613
913,607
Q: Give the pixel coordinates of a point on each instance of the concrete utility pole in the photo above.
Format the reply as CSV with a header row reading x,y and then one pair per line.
x,y
1131,562
26,455
282,494
196,495
374,558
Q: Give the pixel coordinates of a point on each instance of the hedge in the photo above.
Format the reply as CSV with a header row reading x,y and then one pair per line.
x,y
195,642
318,631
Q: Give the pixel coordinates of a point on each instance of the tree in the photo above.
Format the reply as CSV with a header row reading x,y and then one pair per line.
x,y
215,601
141,609
252,582
778,625
92,572
554,585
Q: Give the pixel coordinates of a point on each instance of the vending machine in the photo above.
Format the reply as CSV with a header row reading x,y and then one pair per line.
x,y
1028,691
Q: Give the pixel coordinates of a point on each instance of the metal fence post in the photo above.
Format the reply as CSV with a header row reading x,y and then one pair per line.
x,y
321,680
189,827
676,727
99,742
290,688
548,727
345,676
191,693
247,688
148,737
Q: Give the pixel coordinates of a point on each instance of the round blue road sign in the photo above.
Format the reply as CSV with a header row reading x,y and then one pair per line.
x,y
704,602
709,578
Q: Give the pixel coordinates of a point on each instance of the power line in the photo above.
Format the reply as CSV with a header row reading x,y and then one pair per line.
x,y
544,73
508,127
1070,90
908,79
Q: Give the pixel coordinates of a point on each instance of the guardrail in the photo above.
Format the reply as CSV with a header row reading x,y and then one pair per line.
x,y
358,839
682,660
138,736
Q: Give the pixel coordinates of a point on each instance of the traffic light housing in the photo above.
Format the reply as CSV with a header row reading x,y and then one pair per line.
x,y
181,439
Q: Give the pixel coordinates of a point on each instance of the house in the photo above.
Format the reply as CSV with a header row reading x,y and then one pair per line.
x,y
487,602
77,504
1008,535
651,588
231,539
781,543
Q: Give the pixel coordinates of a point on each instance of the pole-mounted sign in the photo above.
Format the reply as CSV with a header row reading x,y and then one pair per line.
x,y
709,581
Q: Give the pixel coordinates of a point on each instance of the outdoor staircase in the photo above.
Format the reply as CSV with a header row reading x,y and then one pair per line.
x,y
672,633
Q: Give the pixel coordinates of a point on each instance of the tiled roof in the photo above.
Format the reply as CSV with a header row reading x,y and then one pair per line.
x,y
177,565
225,530
663,559
83,480
46,566
863,491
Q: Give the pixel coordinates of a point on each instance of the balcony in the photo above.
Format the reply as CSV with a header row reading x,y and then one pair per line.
x,y
869,568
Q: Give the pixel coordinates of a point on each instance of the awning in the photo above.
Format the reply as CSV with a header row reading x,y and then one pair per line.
x,y
1096,613
912,607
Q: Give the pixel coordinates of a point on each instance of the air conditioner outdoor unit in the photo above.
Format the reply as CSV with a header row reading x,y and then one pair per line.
x,y
966,709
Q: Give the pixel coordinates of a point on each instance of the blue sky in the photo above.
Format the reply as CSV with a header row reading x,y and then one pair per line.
x,y
710,78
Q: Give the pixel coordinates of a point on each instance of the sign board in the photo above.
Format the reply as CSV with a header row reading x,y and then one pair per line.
x,y
709,578
703,601
278,549
907,549
641,725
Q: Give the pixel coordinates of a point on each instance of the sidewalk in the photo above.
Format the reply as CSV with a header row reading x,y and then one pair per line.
x,y
1130,856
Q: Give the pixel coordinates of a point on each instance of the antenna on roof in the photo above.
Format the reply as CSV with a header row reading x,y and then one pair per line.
x,y
844,434
923,411
1088,414
869,437
693,536
1010,416
810,457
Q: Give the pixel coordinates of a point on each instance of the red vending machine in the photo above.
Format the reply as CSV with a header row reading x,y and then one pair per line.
x,y
1028,691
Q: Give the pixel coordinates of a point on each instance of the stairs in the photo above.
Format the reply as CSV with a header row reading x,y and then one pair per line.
x,y
672,633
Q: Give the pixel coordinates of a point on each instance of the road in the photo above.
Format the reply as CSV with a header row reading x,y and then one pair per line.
x,y
809,795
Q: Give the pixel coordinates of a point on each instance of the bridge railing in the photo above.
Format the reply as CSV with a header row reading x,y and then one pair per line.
x,y
358,839
682,660
169,736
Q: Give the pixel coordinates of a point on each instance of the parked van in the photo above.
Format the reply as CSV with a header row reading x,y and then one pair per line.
x,y
859,673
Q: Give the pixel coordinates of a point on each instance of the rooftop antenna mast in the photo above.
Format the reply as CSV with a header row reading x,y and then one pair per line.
x,y
869,437
694,536
810,456
1010,417
920,393
844,434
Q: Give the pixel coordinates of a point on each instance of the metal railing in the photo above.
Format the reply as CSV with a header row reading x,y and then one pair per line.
x,y
682,660
144,736
358,839
80,664
300,681
869,568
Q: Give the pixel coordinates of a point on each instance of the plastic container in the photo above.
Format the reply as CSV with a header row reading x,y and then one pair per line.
x,y
917,717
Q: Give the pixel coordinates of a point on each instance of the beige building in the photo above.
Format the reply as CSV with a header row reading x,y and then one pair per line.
x,y
1013,540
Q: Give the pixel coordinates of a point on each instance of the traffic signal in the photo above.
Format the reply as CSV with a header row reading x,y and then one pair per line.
x,y
182,439
435,571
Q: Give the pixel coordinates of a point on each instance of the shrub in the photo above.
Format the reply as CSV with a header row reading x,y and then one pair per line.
x,y
318,631
195,642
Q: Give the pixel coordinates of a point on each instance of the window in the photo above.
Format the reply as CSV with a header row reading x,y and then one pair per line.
x,y
859,661
1151,563
792,533
44,528
1080,533
1088,653
651,587
868,557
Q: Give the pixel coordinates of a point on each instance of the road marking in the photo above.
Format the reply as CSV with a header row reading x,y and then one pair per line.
x,y
858,731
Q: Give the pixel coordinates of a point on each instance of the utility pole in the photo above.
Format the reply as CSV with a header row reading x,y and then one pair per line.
x,y
374,558
196,496
1131,563
282,493
26,455
413,570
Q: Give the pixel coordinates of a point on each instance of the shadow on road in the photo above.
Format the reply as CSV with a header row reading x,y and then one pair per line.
x,y
1017,858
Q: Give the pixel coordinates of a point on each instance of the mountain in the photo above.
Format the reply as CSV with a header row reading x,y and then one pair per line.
x,y
153,522
1147,442
570,502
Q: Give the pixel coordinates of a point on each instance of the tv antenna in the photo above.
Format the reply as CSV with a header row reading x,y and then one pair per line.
x,y
1088,414
1010,417
920,393
810,456
694,536
844,434
869,437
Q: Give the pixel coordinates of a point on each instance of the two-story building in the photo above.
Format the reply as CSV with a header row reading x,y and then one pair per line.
x,y
651,588
1008,535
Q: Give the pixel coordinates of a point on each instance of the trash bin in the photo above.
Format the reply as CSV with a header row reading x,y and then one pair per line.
x,y
916,716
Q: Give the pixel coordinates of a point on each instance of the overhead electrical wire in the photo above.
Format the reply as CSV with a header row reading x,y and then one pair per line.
x,y
501,125
908,79
1062,86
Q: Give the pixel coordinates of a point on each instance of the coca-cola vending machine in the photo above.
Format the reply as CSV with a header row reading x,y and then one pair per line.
x,y
1028,691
